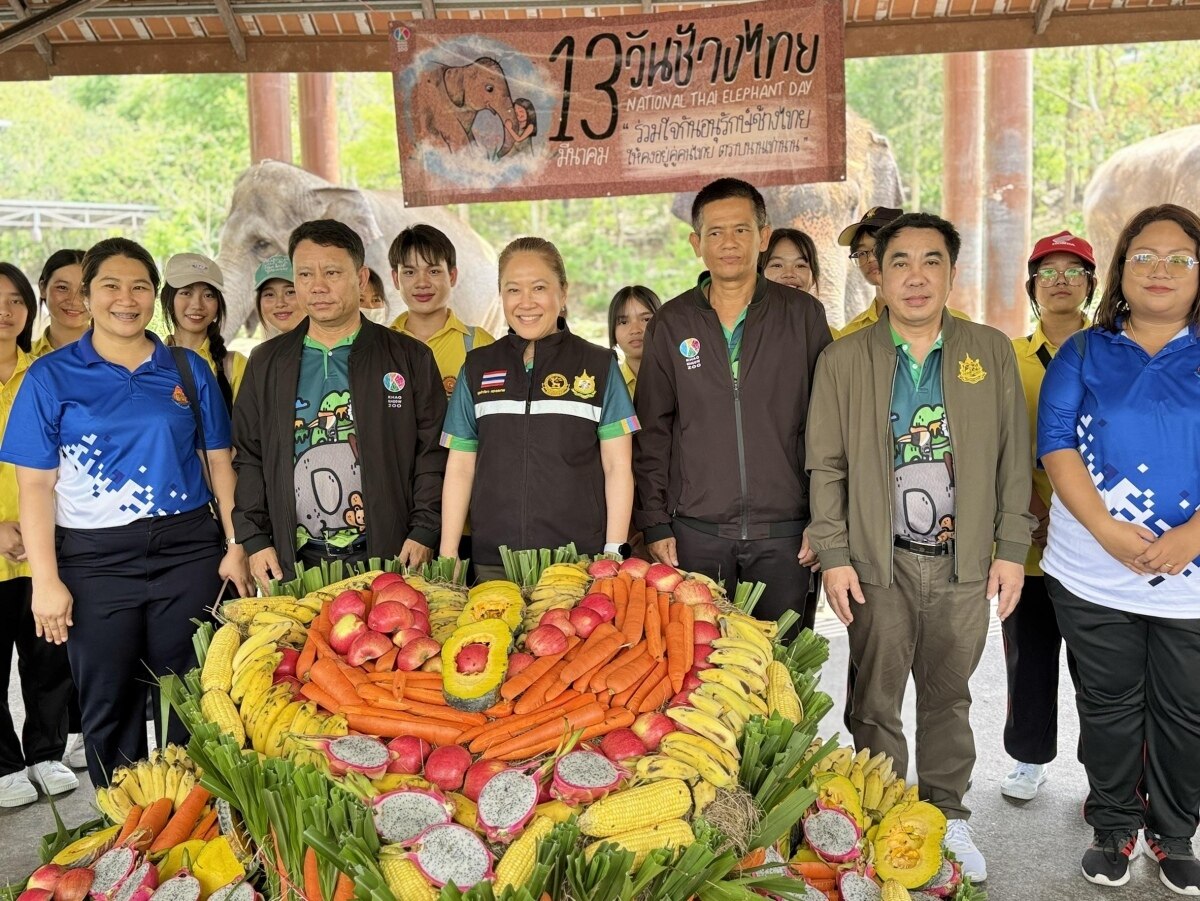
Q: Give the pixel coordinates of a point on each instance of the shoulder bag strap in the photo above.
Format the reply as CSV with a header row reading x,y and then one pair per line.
x,y
189,390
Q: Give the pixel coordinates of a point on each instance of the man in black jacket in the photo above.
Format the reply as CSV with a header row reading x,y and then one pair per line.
x,y
722,399
336,427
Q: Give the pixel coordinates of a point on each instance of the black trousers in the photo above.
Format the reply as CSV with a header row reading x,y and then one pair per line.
x,y
46,686
137,589
769,560
1032,644
1139,714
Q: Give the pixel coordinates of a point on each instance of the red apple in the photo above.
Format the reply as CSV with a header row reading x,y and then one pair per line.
x,y
389,617
602,605
432,665
287,665
662,577
691,681
368,646
45,877
344,631
635,567
408,754
404,636
420,620
692,592
585,620
385,579
414,654
560,618
479,773
706,613
621,744
700,656
604,568
348,602
545,641
704,632
518,662
402,593
472,658
650,727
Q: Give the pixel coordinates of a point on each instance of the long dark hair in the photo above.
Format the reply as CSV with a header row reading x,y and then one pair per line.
x,y
56,261
21,283
641,294
216,343
804,244
1113,305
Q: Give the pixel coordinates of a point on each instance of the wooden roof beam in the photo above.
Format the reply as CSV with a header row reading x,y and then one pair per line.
x,y
428,9
1042,13
229,20
46,20
40,44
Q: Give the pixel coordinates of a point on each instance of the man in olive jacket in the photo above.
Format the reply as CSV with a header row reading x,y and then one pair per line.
x,y
918,450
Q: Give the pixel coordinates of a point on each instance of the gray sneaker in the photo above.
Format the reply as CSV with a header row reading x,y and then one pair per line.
x,y
53,777
1023,782
16,790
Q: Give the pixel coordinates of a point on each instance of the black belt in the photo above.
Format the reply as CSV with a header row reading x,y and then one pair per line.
x,y
925,550
318,550
753,531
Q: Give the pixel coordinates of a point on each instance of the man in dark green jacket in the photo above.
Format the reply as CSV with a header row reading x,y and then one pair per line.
x,y
918,449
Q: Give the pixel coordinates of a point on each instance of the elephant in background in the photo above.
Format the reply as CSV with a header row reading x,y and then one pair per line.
x,y
823,209
447,100
271,198
1164,168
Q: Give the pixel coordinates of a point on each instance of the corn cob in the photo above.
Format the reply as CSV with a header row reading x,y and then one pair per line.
x,y
218,708
218,665
516,866
781,693
632,809
404,879
667,834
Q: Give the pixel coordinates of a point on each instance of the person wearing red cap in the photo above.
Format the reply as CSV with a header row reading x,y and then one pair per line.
x,y
1062,280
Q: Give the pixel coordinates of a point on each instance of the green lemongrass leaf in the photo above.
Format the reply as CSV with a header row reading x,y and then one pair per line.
x,y
779,820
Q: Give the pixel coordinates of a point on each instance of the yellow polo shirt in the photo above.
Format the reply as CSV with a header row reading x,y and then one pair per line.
x,y
9,511
449,345
238,365
42,345
630,378
869,317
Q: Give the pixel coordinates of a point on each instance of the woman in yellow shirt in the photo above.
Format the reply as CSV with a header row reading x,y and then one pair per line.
x,y
629,312
194,307
58,287
46,687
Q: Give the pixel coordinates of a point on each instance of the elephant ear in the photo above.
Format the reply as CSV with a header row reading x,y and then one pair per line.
x,y
350,206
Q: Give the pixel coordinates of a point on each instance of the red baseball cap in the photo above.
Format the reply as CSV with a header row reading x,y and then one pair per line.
x,y
1063,242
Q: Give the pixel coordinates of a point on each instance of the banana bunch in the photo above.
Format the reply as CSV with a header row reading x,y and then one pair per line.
x,y
244,611
767,628
712,761
358,583
873,777
653,767
560,585
167,773
446,603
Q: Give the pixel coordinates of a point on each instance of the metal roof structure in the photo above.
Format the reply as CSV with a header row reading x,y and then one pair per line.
x,y
43,38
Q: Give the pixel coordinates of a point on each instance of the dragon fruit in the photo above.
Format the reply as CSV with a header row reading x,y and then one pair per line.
x,y
236,891
813,894
358,754
452,853
946,882
404,814
582,777
857,887
183,886
138,885
506,804
833,835
110,871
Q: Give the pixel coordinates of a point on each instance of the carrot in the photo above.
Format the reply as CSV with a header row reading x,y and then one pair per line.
x,y
499,710
308,654
600,680
551,731
676,654
814,869
635,613
344,889
386,663
585,681
471,734
621,598
614,719
497,731
130,824
604,587
153,821
603,643
322,644
312,876
674,613
392,725
314,692
425,680
180,827
514,685
536,693
207,822
574,646
415,708
654,636
664,611
658,695
213,831
657,675
688,621
328,676
432,696
320,623
353,673
631,673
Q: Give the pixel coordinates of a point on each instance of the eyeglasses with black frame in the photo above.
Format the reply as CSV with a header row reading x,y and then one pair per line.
x,y
859,254
1048,276
1176,265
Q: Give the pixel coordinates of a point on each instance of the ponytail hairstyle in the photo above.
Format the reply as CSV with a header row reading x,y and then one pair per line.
x,y
21,283
216,343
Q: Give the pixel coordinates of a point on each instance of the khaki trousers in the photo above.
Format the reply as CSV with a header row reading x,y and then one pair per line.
x,y
936,629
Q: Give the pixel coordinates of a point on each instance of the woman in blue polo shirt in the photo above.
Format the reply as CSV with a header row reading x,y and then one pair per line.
x,y
1119,436
115,517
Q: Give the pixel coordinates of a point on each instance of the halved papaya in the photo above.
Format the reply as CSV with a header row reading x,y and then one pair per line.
x,y
474,663
496,599
908,844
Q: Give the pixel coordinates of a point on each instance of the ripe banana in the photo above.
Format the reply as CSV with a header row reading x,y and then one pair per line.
x,y
727,761
187,781
707,725
768,628
749,660
256,642
856,778
872,792
740,628
703,794
734,702
653,767
729,679
273,743
712,706
710,767
756,681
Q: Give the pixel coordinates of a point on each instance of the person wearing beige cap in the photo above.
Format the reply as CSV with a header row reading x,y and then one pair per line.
x,y
275,296
194,307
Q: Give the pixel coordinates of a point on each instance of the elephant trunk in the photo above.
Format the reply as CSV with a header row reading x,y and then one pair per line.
x,y
508,116
238,271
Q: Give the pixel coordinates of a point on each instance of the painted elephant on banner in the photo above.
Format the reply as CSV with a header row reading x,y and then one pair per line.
x,y
447,100
823,209
1164,168
270,199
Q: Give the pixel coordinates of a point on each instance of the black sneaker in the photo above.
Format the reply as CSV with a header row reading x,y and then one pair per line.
x,y
1106,862
1177,865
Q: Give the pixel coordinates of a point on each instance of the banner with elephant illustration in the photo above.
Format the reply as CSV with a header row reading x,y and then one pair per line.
x,y
494,110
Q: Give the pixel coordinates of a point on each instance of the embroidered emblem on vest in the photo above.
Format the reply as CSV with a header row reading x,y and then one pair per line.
x,y
971,371
584,386
555,385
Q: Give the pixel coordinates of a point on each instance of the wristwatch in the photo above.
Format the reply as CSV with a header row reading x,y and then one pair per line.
x,y
624,551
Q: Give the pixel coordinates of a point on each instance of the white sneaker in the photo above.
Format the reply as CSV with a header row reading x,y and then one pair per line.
x,y
958,839
16,790
75,756
1023,782
53,777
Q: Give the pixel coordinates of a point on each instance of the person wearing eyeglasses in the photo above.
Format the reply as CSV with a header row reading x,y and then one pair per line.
x,y
1119,436
1061,283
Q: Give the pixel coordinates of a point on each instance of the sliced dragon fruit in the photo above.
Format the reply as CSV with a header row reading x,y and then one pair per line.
x,y
357,753
183,886
582,777
914,895
813,894
236,891
506,803
945,883
452,853
833,835
111,870
138,885
402,815
857,887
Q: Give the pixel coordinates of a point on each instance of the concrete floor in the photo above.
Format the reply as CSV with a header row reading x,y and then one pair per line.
x,y
1032,849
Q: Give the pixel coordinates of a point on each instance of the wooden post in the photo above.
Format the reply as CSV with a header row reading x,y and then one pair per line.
x,y
1008,199
269,98
318,125
962,173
